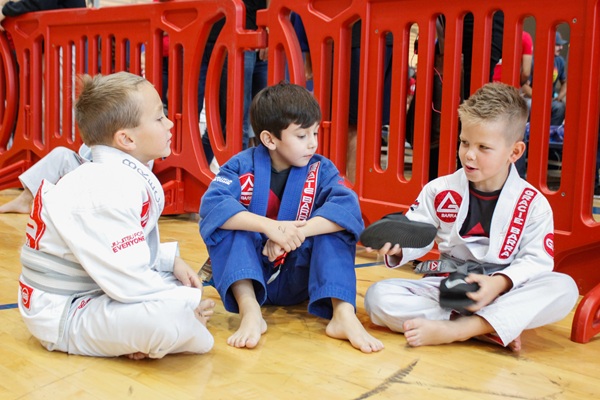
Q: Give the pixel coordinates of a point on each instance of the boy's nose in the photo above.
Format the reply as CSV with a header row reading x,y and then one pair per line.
x,y
470,154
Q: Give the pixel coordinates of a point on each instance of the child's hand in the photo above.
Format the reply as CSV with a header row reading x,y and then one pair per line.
x,y
286,234
272,250
185,274
387,250
490,287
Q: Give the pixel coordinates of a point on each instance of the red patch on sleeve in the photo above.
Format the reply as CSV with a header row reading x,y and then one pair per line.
x,y
26,293
247,184
549,244
446,205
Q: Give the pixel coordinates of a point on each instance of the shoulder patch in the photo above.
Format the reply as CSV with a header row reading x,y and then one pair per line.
x,y
145,213
247,184
549,244
446,205
26,293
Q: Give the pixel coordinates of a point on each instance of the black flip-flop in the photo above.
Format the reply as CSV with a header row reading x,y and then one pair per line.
x,y
397,229
453,292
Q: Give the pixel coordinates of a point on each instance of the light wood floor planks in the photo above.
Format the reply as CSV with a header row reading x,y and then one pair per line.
x,y
295,359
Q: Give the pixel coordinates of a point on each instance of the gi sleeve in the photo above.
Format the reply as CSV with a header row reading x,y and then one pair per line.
x,y
102,228
166,256
220,202
422,210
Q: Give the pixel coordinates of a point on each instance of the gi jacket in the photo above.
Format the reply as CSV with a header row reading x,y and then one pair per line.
x,y
243,184
521,232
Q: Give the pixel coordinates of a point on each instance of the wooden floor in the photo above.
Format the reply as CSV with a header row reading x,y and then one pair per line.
x,y
295,359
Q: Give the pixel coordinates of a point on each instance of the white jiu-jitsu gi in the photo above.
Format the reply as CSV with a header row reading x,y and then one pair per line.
x,y
56,164
520,246
96,280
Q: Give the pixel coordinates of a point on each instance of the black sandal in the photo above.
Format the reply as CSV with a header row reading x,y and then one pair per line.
x,y
397,229
453,292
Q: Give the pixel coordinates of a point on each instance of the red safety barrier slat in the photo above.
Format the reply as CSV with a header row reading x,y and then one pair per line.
x,y
42,98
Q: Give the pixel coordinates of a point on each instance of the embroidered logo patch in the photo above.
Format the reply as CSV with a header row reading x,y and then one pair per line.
x,y
36,226
446,205
145,213
26,293
83,303
222,180
517,224
434,266
128,241
247,184
308,192
549,244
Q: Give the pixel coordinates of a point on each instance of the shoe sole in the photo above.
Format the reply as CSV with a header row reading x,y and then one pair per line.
x,y
406,233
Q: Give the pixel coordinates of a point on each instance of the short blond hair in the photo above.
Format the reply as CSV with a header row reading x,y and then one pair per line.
x,y
106,104
495,102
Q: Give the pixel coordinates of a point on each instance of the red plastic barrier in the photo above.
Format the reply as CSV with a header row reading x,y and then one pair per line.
x,y
586,321
79,35
53,47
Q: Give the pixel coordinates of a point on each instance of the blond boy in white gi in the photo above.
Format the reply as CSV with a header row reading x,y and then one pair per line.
x,y
96,280
489,222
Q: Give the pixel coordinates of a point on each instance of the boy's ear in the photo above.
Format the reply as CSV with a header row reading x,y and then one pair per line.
x,y
268,140
517,151
122,140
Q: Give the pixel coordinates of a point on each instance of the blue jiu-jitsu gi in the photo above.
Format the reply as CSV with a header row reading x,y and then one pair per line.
x,y
322,268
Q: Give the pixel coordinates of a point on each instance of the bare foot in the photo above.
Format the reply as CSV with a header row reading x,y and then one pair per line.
x,y
251,329
515,345
424,332
346,326
20,204
493,338
137,356
205,310
252,325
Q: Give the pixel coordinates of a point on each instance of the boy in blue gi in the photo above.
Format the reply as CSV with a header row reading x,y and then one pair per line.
x,y
280,226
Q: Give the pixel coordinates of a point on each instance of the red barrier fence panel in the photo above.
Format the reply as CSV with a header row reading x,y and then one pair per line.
x,y
112,39
53,47
383,190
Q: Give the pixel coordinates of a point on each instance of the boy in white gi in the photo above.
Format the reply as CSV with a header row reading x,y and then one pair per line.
x,y
281,227
95,279
491,224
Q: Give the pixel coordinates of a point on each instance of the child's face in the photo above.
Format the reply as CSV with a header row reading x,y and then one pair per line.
x,y
296,147
486,154
152,137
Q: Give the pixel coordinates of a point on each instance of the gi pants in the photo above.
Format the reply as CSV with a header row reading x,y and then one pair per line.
x,y
322,268
543,299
